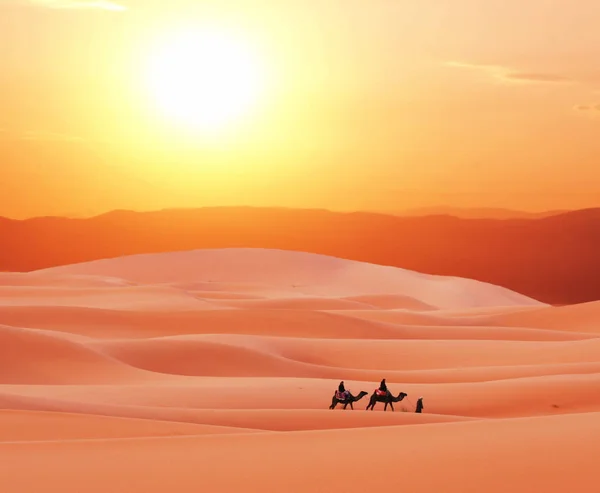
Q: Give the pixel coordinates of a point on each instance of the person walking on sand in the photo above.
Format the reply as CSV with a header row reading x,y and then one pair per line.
x,y
419,405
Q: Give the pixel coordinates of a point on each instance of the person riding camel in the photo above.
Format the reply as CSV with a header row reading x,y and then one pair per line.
x,y
382,390
342,392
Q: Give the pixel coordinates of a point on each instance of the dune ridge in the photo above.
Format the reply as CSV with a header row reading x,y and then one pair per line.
x,y
215,369
306,272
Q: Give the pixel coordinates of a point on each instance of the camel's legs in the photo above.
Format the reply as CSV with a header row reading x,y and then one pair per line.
x,y
351,406
345,405
334,402
392,405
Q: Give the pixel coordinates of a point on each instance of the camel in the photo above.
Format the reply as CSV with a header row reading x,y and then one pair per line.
x,y
335,401
388,399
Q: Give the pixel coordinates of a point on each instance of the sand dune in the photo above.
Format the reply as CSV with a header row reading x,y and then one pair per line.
x,y
584,317
214,370
22,426
31,356
392,301
39,412
131,297
104,323
403,361
333,304
304,303
19,279
307,273
553,455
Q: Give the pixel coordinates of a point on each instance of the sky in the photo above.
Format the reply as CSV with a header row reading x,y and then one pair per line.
x,y
379,105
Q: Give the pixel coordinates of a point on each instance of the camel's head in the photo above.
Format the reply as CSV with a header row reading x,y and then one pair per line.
x,y
403,395
362,393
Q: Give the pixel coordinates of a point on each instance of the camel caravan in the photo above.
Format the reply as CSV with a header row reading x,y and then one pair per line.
x,y
381,394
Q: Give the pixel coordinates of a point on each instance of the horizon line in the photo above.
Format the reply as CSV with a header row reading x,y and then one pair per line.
x,y
410,212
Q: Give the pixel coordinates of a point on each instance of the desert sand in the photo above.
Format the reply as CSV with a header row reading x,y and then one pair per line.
x,y
213,371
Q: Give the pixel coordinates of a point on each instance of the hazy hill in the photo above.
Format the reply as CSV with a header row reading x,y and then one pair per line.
x,y
554,259
479,212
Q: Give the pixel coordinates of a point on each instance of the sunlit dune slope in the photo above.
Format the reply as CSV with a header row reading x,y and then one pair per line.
x,y
553,454
310,273
584,317
215,370
23,426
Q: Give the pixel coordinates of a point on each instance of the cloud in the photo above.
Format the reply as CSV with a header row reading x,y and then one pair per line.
x,y
81,4
588,107
536,77
588,111
507,75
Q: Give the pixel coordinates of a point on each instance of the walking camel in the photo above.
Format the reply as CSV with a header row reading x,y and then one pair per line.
x,y
348,398
387,398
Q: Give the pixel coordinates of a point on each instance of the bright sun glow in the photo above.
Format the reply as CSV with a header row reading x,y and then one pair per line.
x,y
206,78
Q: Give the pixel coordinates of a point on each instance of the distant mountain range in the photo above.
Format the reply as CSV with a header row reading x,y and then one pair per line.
x,y
478,212
555,259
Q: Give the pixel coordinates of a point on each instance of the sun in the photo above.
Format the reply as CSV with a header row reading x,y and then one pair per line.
x,y
206,78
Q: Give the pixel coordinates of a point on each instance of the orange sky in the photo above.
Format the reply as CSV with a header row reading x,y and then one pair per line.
x,y
374,105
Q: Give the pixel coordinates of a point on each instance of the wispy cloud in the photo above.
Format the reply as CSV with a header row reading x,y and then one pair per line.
x,y
589,111
508,75
588,107
536,77
81,4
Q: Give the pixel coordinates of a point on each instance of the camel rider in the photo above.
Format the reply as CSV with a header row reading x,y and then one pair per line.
x,y
342,390
383,387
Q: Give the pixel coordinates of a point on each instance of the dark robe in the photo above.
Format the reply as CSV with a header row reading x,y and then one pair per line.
x,y
419,406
